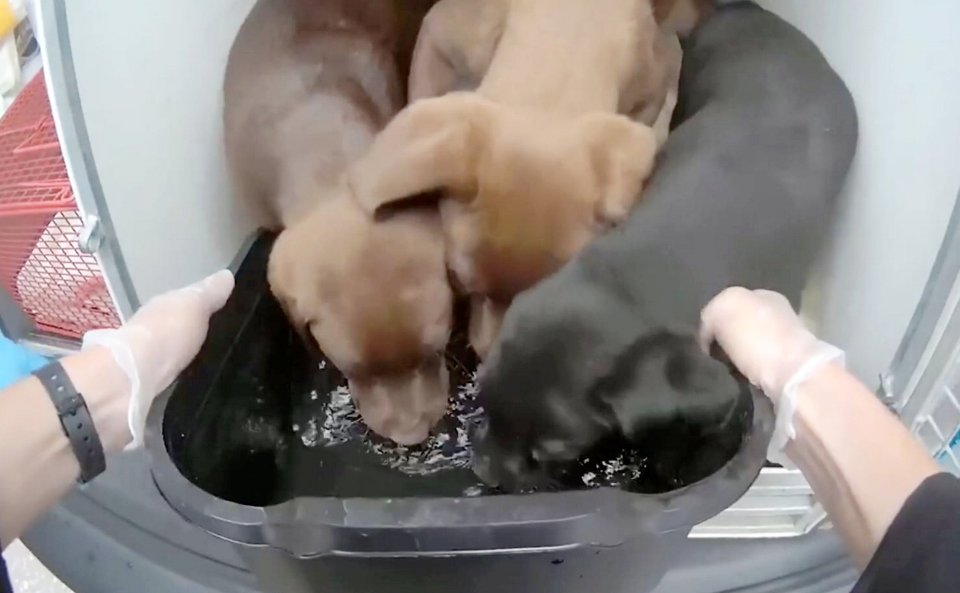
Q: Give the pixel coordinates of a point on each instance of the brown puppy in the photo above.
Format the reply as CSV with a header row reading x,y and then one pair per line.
x,y
375,297
536,161
460,37
308,86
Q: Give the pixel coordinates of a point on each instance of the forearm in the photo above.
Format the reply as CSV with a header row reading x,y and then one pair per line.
x,y
37,464
862,462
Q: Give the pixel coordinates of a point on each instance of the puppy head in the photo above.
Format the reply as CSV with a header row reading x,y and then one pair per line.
x,y
375,299
456,43
524,192
577,365
661,394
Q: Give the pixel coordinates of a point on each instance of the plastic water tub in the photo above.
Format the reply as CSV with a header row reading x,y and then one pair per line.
x,y
230,454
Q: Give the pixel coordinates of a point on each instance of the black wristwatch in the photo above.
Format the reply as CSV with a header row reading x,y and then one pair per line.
x,y
76,420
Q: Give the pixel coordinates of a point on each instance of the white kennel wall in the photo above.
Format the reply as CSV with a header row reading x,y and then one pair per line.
x,y
149,77
901,63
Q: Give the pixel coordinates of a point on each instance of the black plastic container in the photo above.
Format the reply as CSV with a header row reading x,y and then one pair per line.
x,y
227,456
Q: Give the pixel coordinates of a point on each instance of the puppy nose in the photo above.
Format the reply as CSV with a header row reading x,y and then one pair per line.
x,y
403,407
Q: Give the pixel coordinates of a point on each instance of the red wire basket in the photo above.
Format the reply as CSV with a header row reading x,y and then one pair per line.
x,y
41,266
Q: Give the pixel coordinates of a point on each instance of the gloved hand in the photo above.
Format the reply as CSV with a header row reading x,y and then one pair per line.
x,y
160,340
768,343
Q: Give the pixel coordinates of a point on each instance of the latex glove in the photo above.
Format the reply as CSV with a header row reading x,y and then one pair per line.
x,y
160,340
767,342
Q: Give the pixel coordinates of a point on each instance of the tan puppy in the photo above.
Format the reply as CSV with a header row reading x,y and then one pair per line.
x,y
460,37
536,161
308,86
375,297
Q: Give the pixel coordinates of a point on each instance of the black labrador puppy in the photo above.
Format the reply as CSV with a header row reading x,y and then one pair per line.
x,y
764,137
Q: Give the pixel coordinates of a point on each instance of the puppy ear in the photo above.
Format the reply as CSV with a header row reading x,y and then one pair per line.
x,y
431,145
623,154
432,72
455,47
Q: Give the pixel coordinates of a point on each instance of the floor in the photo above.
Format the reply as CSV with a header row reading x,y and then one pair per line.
x,y
28,574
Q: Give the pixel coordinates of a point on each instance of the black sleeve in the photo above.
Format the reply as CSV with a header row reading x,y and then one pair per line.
x,y
921,551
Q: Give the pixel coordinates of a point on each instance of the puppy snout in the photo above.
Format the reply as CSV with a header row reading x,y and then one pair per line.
x,y
510,471
505,466
403,407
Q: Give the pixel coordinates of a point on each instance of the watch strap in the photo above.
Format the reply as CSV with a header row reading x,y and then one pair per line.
x,y
76,420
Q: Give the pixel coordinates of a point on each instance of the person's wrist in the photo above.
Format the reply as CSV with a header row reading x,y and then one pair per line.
x,y
792,363
107,391
818,401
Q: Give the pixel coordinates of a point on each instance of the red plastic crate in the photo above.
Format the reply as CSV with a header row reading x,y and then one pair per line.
x,y
33,177
41,266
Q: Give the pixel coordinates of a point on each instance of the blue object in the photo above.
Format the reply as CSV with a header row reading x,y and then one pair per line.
x,y
4,578
16,362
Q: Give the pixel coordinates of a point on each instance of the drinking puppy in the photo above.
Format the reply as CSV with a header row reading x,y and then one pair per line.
x,y
742,196
308,86
536,161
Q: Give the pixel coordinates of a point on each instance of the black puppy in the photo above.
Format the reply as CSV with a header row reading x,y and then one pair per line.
x,y
742,196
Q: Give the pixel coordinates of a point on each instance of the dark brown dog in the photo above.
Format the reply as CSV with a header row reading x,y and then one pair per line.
x,y
460,37
308,86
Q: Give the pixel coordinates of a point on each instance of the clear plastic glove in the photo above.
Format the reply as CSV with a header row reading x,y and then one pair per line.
x,y
160,340
767,342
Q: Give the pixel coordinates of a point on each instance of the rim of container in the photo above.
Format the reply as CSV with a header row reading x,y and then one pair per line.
x,y
317,526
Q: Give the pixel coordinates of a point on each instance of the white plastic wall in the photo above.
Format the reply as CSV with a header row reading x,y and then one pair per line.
x,y
150,76
901,61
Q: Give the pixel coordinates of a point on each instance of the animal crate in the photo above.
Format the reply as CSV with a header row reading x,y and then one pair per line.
x,y
60,288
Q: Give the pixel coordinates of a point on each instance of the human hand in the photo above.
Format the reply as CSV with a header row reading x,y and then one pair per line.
x,y
160,340
764,338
